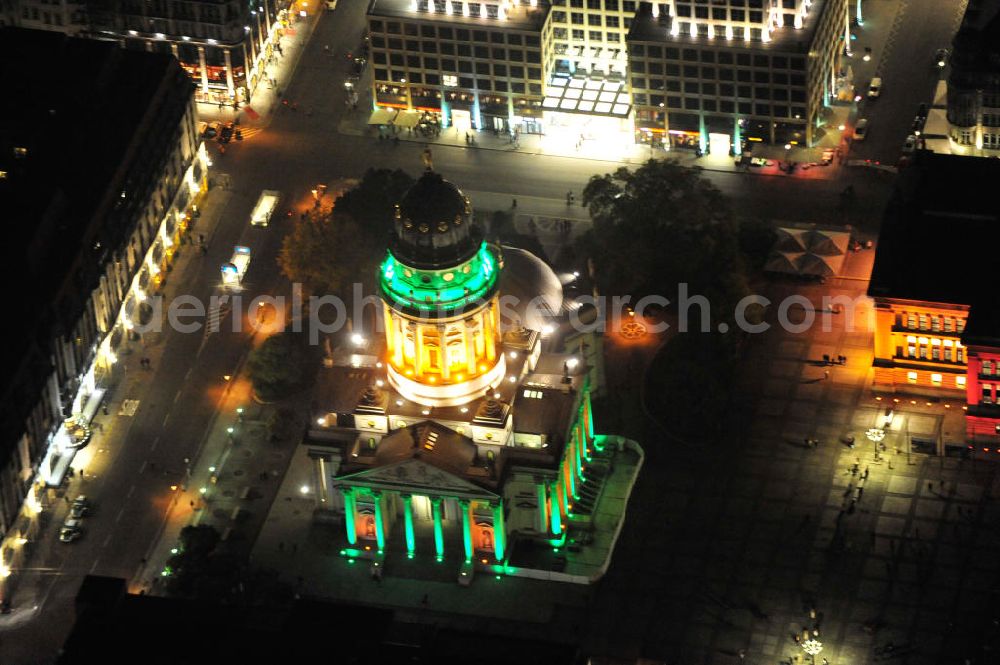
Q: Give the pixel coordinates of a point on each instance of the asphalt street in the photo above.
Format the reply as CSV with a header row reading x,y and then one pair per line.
x,y
904,36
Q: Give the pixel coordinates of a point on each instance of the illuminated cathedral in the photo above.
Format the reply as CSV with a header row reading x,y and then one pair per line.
x,y
460,437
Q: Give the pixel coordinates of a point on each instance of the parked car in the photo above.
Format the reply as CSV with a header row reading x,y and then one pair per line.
x,y
861,129
875,87
80,507
910,145
71,530
941,57
922,112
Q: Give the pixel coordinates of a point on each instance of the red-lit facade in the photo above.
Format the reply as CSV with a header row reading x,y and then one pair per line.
x,y
937,334
983,378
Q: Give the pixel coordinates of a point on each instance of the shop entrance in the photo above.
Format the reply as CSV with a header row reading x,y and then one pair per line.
x,y
719,144
462,120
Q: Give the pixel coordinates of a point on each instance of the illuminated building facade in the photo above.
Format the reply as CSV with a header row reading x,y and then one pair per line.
x,y
439,284
982,338
974,82
716,76
935,332
223,46
93,230
459,438
742,69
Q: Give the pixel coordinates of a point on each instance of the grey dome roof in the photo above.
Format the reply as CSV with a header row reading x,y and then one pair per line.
x,y
432,225
530,291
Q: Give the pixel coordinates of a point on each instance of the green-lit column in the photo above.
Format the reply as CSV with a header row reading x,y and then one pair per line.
x,y
578,447
569,471
543,509
466,528
350,516
379,521
438,531
408,519
499,532
556,494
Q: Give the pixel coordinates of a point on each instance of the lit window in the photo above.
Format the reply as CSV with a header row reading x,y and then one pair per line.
x,y
936,379
3,175
20,152
960,381
449,80
911,377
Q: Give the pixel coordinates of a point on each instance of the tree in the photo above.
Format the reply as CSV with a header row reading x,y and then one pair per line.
x,y
325,251
658,226
655,228
199,568
331,247
276,367
372,202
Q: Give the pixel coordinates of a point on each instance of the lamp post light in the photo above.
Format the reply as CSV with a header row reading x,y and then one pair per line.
x,y
876,436
813,647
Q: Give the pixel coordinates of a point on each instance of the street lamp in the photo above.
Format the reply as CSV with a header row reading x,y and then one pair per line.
x,y
813,648
876,436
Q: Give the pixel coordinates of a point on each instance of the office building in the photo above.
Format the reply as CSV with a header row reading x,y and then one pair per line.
x,y
616,70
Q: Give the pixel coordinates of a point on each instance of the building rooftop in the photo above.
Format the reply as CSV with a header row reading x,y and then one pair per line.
x,y
977,42
646,28
939,237
432,228
522,17
69,125
542,403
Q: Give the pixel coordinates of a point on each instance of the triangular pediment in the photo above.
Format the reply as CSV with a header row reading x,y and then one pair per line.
x,y
414,476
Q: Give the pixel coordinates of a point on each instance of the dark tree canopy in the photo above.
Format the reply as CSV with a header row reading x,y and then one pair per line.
x,y
371,202
658,226
332,248
655,228
277,366
326,252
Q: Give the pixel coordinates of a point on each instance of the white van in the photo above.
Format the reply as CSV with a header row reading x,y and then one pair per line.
x,y
236,268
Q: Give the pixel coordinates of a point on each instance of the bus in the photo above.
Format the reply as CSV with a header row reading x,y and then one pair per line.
x,y
265,207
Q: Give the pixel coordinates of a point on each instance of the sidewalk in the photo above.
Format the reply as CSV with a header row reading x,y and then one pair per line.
x,y
232,479
281,67
354,123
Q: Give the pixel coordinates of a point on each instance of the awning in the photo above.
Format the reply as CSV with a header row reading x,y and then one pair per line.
x,y
808,251
382,116
407,119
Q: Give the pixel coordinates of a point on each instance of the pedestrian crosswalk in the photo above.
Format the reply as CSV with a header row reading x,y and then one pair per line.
x,y
216,312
